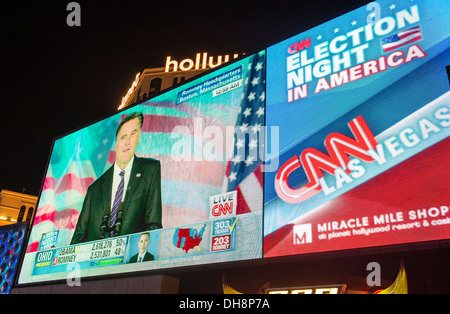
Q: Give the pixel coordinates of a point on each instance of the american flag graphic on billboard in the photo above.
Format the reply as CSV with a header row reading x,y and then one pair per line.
x,y
402,38
244,172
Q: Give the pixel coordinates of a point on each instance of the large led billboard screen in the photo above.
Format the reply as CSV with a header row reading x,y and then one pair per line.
x,y
363,108
352,119
191,192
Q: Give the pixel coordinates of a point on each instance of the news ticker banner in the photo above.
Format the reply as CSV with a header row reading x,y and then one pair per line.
x,y
363,155
215,86
225,237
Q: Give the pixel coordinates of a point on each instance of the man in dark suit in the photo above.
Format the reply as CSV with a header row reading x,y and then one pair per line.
x,y
143,255
132,182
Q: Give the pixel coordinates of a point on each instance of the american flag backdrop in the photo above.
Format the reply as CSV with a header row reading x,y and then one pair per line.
x,y
76,161
244,171
172,133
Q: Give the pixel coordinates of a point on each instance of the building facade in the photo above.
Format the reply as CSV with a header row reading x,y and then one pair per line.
x,y
151,81
16,207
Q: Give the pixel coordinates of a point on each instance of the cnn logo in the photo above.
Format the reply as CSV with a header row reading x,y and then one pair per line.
x,y
222,205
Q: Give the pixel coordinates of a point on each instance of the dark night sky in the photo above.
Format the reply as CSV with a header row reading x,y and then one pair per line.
x,y
56,78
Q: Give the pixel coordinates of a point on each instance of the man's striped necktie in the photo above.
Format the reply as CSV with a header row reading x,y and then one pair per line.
x,y
117,198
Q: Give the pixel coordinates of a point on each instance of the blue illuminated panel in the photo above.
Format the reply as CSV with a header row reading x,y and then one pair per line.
x,y
11,244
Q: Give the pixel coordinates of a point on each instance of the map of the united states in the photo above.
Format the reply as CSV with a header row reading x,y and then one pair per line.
x,y
188,238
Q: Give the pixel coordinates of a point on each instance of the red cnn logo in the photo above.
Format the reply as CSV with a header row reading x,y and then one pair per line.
x,y
224,209
313,161
299,46
222,205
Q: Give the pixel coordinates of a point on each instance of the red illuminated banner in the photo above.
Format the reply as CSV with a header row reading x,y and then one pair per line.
x,y
395,207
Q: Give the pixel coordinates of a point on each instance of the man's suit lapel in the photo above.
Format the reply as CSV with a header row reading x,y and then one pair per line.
x,y
107,188
135,177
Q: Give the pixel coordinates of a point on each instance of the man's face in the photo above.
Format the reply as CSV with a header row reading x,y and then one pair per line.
x,y
126,142
144,240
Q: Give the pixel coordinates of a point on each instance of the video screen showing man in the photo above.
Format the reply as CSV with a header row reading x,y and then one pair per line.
x,y
143,255
127,197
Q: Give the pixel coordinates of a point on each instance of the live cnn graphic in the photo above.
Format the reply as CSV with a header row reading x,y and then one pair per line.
x,y
223,205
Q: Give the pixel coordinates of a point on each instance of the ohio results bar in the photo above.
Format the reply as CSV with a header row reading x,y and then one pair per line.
x,y
89,255
214,237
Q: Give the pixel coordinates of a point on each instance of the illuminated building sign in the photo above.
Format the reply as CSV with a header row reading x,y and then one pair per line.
x,y
201,62
332,289
130,91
